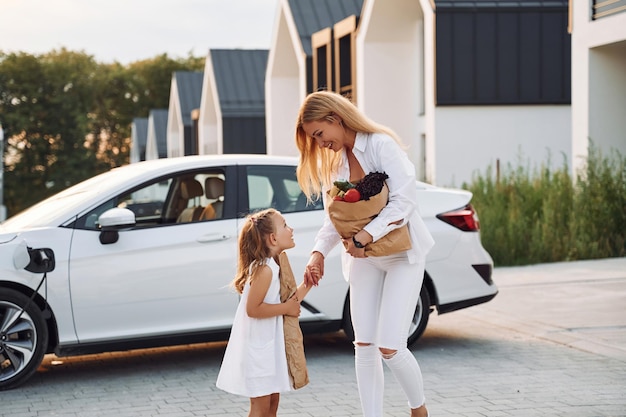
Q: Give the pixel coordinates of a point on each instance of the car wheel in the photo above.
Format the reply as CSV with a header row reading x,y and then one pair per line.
x,y
420,317
23,338
418,323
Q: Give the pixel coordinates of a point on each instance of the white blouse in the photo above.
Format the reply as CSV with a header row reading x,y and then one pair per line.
x,y
378,152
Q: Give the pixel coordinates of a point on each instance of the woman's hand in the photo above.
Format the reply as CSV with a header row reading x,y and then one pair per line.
x,y
314,270
363,238
353,250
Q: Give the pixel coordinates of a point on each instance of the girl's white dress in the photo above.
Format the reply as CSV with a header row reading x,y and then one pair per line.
x,y
255,362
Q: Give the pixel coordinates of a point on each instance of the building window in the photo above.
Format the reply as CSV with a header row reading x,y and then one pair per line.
x,y
344,33
322,45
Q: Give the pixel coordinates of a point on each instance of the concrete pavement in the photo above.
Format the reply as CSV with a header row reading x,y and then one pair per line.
x,y
552,343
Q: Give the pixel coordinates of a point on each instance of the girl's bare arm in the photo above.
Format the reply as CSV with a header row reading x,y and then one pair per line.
x,y
257,308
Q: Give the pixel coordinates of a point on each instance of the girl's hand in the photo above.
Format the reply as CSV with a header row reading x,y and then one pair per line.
x,y
293,306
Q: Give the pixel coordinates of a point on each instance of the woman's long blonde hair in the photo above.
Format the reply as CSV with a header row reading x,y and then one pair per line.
x,y
317,164
253,248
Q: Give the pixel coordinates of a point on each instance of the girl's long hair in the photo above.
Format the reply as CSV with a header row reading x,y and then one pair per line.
x,y
316,164
253,249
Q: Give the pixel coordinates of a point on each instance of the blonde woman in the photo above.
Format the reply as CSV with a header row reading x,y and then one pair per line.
x,y
337,141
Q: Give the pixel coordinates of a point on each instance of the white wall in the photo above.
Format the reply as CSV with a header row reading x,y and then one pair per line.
x,y
151,146
390,71
285,84
470,138
175,126
152,149
390,92
210,131
607,97
598,82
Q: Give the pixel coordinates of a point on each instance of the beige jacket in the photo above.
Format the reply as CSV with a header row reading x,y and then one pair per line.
x,y
294,345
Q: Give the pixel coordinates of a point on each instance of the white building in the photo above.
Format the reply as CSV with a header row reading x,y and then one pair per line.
x,y
598,76
465,84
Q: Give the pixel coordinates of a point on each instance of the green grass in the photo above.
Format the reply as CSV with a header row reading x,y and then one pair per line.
x,y
540,215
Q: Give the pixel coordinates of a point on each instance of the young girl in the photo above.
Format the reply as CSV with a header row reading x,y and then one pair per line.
x,y
255,362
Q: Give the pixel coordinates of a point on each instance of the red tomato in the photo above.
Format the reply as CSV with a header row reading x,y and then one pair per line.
x,y
338,198
352,195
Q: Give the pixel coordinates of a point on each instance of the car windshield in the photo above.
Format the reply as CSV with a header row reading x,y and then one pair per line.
x,y
66,201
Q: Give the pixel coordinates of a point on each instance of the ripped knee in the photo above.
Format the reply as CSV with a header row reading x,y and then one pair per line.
x,y
361,344
387,353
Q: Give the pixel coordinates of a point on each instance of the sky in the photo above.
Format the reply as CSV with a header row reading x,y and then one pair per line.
x,y
132,30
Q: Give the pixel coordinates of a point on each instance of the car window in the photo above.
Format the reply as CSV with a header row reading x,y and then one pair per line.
x,y
277,187
260,192
201,196
146,202
180,198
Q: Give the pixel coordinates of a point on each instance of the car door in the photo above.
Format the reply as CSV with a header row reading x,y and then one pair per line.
x,y
163,276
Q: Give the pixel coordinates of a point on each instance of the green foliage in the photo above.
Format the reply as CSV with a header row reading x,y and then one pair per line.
x,y
67,117
44,104
599,220
543,216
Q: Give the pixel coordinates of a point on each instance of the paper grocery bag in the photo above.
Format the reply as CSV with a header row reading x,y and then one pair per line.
x,y
294,346
350,218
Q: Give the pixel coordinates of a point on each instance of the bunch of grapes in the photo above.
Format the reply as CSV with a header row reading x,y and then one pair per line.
x,y
371,184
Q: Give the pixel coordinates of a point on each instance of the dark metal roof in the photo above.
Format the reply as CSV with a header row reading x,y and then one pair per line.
x,y
311,16
500,4
140,128
189,92
240,79
159,121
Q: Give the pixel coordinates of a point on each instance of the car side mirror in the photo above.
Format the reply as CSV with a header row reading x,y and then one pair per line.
x,y
113,220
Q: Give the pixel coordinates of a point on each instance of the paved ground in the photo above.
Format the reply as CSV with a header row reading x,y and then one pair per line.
x,y
552,343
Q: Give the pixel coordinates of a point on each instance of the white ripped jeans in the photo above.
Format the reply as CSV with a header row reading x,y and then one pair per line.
x,y
383,294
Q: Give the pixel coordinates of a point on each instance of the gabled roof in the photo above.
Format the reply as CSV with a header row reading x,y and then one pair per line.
x,y
189,85
311,16
240,80
159,121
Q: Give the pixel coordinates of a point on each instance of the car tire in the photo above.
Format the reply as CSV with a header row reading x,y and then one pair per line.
x,y
23,339
420,317
418,323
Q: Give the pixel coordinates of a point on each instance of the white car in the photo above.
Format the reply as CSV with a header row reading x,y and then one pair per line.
x,y
142,256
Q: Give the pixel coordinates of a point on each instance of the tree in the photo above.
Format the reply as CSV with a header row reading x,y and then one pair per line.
x,y
45,103
128,92
67,117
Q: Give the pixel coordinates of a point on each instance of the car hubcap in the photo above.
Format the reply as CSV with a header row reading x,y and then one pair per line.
x,y
17,340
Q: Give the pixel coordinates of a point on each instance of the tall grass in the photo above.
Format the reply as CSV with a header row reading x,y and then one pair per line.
x,y
542,215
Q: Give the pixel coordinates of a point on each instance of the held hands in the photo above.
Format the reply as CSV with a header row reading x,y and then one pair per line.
x,y
314,270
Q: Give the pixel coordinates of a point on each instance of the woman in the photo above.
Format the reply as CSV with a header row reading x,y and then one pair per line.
x,y
337,141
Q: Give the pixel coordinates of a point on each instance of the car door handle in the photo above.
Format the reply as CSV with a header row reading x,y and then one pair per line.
x,y
212,237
